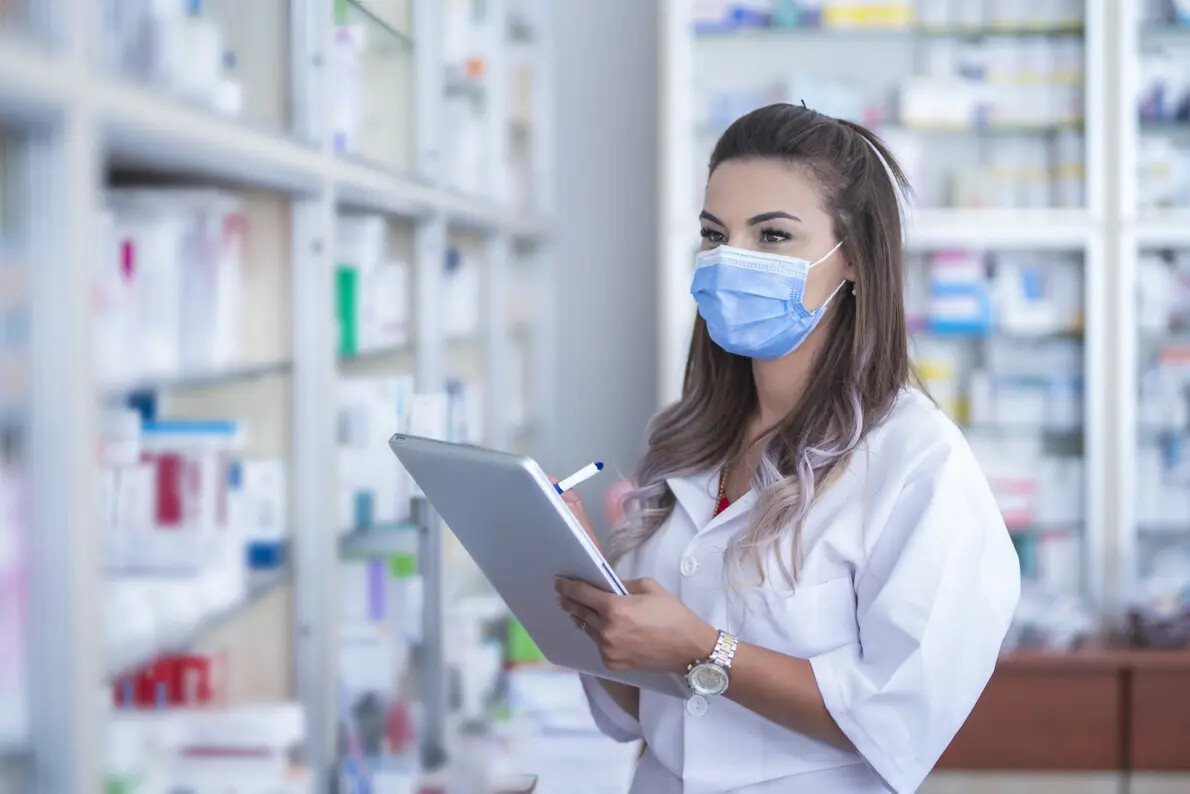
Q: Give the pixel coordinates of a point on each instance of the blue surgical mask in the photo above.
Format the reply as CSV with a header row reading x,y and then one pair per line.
x,y
752,301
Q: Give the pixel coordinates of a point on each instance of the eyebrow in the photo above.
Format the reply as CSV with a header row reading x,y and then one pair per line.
x,y
769,216
755,219
706,216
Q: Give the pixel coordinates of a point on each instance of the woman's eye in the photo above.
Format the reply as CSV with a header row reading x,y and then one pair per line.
x,y
773,236
711,236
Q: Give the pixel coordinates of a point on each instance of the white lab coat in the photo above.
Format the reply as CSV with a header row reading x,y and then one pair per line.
x,y
906,588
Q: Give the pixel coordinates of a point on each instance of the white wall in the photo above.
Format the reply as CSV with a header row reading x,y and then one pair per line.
x,y
605,238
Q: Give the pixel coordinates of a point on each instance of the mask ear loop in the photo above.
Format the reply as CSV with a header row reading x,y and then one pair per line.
x,y
830,297
825,257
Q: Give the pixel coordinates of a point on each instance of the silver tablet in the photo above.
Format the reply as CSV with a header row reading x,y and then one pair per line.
x,y
514,524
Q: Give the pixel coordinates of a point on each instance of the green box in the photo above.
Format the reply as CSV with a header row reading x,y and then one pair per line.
x,y
347,309
521,648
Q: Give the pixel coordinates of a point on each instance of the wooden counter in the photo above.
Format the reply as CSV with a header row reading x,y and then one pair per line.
x,y
1084,711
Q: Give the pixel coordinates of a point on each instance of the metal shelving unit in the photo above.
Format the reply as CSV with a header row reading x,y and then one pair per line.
x,y
1137,230
687,57
81,122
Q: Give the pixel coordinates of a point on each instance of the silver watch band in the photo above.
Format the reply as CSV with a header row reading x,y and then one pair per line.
x,y
724,652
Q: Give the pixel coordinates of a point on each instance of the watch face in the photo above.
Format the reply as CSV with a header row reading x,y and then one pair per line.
x,y
708,679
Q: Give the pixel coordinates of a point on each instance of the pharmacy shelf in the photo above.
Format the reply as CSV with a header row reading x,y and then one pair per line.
x,y
891,32
1158,33
260,585
377,354
379,541
1155,228
145,130
1164,528
950,130
999,229
201,380
1023,430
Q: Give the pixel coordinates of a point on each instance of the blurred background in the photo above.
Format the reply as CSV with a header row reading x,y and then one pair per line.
x,y
244,241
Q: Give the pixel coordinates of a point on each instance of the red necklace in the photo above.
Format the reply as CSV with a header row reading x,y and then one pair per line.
x,y
722,503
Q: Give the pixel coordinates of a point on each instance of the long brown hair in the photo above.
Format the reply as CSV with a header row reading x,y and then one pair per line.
x,y
862,367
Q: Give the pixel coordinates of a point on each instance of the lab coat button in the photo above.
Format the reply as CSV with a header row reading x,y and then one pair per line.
x,y
696,706
689,566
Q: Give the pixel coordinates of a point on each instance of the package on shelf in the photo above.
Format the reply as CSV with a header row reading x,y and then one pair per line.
x,y
177,46
842,99
14,604
519,386
467,28
1163,92
164,488
1036,383
373,301
461,293
1163,12
206,750
1158,604
167,287
940,365
378,733
475,650
346,70
374,489
959,293
172,681
1037,294
258,508
1163,172
1010,467
1052,620
1163,490
465,409
1061,492
385,590
465,142
554,735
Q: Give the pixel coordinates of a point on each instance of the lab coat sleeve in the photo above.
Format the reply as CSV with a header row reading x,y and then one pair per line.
x,y
933,604
612,721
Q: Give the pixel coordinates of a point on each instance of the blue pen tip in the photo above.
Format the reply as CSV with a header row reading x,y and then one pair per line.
x,y
557,488
598,465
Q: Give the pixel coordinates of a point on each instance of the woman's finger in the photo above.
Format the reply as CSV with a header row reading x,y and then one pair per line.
x,y
583,613
584,593
575,503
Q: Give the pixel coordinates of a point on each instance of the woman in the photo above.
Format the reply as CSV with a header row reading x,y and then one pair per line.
x,y
811,541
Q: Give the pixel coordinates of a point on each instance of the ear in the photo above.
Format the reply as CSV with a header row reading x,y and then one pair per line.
x,y
849,270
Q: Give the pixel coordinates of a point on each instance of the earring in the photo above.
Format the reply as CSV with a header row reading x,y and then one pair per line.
x,y
853,292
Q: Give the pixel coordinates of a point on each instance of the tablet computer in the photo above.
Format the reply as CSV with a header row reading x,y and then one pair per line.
x,y
517,528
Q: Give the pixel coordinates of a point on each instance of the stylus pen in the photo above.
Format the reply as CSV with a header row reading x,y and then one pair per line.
x,y
579,477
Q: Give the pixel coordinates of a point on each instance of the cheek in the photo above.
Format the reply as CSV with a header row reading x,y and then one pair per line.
x,y
821,282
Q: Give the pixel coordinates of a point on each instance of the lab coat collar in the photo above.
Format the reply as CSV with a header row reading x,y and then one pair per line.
x,y
696,493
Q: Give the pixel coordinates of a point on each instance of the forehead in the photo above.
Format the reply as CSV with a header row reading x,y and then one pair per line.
x,y
743,188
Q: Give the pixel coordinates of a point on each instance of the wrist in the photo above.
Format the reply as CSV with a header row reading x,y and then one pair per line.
x,y
700,645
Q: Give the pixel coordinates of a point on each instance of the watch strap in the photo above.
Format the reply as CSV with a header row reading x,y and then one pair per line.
x,y
725,648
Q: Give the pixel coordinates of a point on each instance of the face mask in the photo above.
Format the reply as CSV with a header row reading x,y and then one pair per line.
x,y
752,302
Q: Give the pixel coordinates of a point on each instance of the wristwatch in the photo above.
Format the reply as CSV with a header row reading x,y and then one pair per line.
x,y
711,676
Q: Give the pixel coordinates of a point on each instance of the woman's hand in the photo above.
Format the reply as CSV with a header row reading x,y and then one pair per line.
x,y
647,630
575,503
